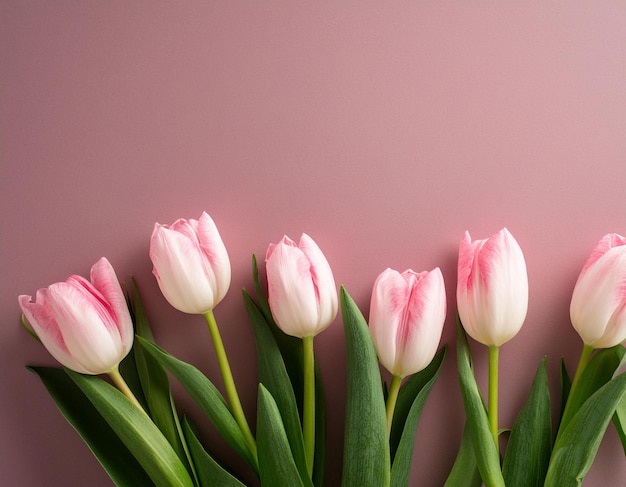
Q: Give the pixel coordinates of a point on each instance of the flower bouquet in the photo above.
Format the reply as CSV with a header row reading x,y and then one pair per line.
x,y
131,424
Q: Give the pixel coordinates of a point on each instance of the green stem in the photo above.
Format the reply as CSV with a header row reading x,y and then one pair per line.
x,y
494,353
229,383
392,398
308,421
585,357
120,383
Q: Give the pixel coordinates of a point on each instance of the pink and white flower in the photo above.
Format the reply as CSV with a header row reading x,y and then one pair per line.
x,y
301,287
407,313
190,263
85,325
598,306
492,288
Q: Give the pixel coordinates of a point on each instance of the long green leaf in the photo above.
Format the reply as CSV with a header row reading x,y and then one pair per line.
x,y
465,472
210,473
206,395
566,384
485,450
414,393
597,373
577,445
366,448
620,422
137,432
619,419
408,393
528,451
276,465
155,386
273,375
319,467
106,446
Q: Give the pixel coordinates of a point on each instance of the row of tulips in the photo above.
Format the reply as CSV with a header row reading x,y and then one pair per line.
x,y
89,326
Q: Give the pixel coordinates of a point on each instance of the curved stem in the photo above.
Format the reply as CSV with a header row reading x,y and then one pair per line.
x,y
308,420
392,398
120,383
229,383
494,353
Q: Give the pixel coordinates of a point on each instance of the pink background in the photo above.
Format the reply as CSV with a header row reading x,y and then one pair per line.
x,y
382,130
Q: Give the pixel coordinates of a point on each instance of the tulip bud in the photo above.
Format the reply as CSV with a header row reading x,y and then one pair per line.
x,y
190,264
301,287
85,325
407,313
598,307
492,288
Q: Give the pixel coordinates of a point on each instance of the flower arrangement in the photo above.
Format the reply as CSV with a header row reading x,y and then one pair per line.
x,y
92,327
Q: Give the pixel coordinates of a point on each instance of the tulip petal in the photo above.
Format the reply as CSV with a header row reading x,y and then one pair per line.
x,y
45,325
292,295
605,244
92,343
323,279
215,252
105,281
184,279
426,311
387,309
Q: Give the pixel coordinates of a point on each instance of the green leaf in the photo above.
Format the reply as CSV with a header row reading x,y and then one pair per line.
x,y
598,372
566,384
210,473
319,467
577,445
409,405
619,419
206,395
528,451
620,422
273,375
485,450
276,465
465,472
421,381
136,430
155,386
366,448
106,446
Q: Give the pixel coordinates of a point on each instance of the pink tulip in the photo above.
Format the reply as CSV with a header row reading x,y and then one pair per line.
x,y
85,325
190,264
598,307
492,289
407,313
301,287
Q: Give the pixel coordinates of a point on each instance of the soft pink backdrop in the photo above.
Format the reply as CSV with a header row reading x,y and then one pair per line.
x,y
384,130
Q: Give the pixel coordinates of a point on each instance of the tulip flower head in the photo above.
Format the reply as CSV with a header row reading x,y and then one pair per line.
x,y
301,288
598,306
85,325
492,288
407,314
190,263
